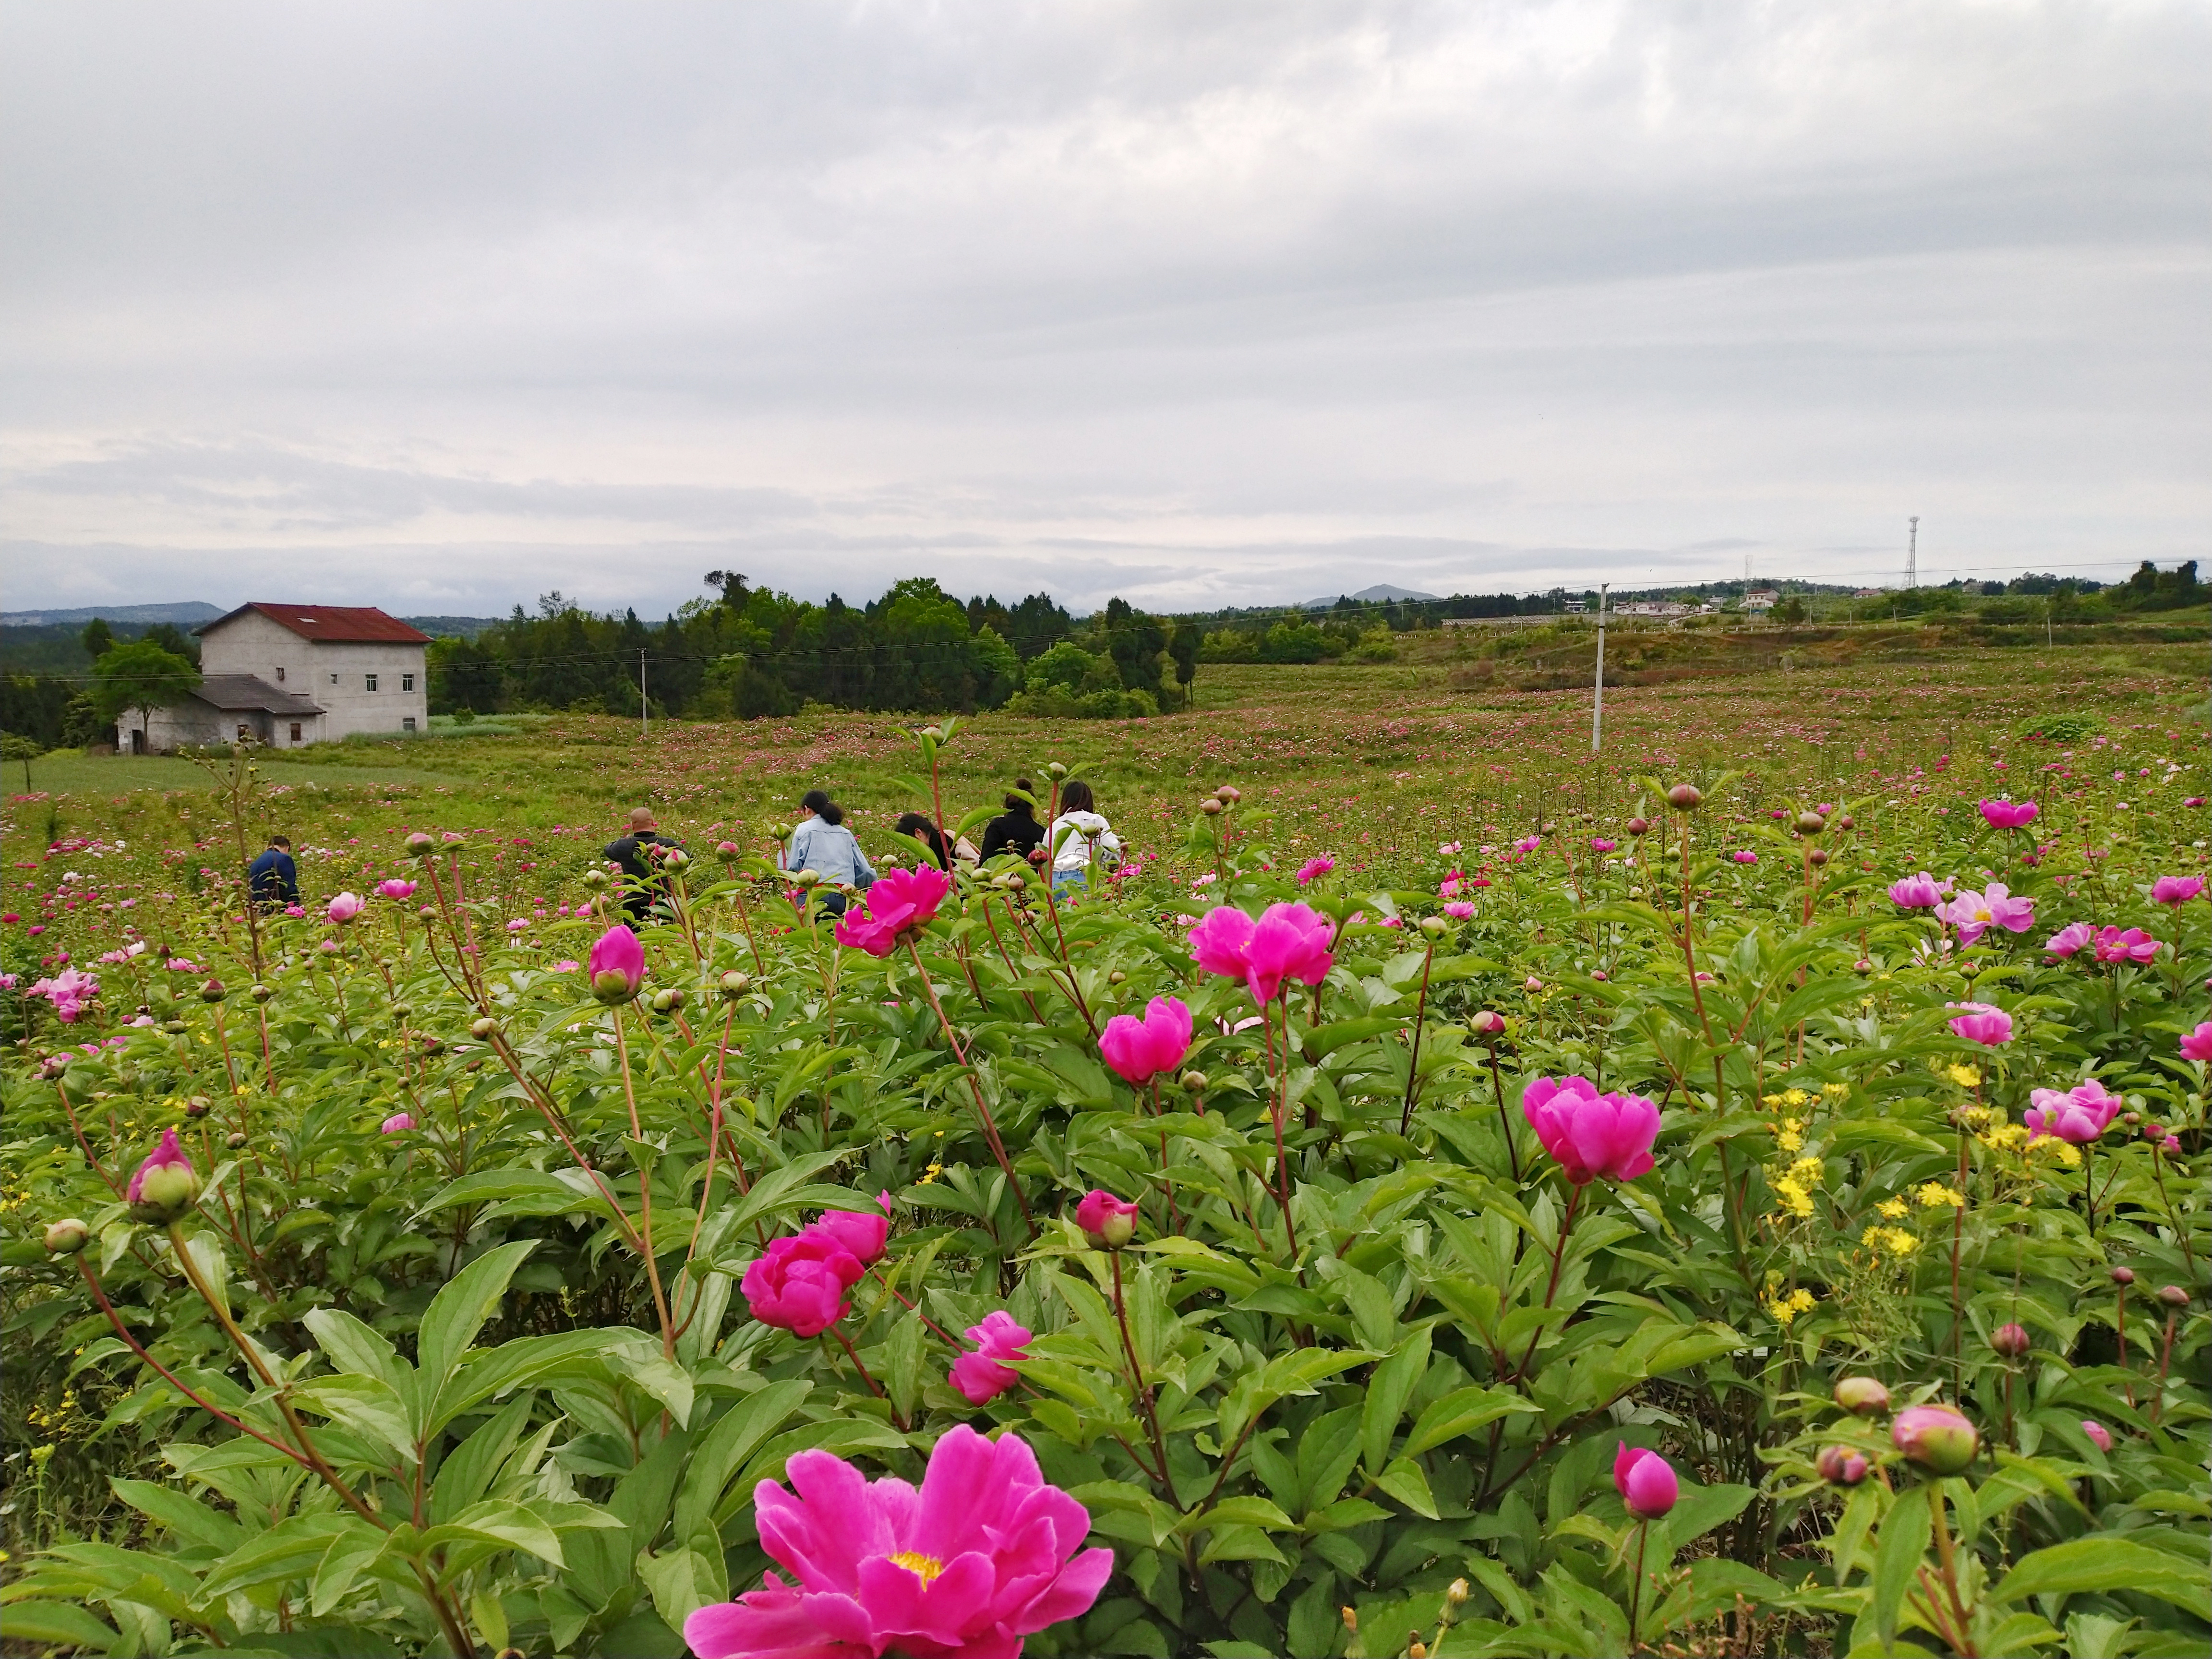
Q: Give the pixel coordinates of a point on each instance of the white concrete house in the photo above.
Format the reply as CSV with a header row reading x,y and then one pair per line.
x,y
287,675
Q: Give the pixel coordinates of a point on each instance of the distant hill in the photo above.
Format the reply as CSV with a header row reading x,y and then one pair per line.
x,y
183,615
1380,593
466,628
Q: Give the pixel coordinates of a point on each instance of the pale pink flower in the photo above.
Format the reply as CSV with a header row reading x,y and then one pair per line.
x,y
2074,936
1973,914
1920,892
2078,1116
1982,1023
345,906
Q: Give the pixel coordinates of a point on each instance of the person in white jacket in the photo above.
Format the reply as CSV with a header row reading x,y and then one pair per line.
x,y
1079,838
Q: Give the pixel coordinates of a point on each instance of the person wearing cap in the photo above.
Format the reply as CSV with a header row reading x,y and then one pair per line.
x,y
644,882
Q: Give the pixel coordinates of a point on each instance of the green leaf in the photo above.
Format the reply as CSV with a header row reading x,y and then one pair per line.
x,y
1245,1511
1461,1412
1299,1371
1389,1387
290,1549
59,1624
503,1522
186,1517
1897,1555
458,1311
353,1346
350,1552
467,1472
2106,1563
1405,1481
722,1451
683,1580
484,1374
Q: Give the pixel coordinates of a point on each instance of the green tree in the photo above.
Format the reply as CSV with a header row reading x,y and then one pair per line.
x,y
139,678
1183,641
15,748
1790,611
99,638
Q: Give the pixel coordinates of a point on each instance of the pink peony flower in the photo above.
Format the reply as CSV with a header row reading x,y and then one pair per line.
x,y
295,911
1745,858
618,965
1460,911
1592,1134
2176,890
985,1554
1920,892
1600,844
1980,1022
2074,936
69,991
2078,1115
398,1124
983,1376
860,1233
566,965
2010,815
899,901
1289,942
1645,1481
168,1156
395,889
1109,1221
1313,869
1140,1049
345,907
800,1286
2133,945
2197,1044
2099,1435
1973,914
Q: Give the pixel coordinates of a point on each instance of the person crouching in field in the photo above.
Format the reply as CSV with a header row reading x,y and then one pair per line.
x,y
645,883
1080,837
1015,830
273,878
822,843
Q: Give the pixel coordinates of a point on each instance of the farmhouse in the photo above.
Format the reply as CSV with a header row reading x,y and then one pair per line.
x,y
286,675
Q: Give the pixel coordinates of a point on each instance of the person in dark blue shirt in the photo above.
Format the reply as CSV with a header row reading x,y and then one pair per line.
x,y
273,878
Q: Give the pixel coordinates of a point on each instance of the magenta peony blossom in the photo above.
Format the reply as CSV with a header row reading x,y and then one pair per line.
x,y
69,991
345,907
899,901
1745,858
2078,1115
1600,844
1973,914
983,1376
1645,1481
2176,890
157,1167
985,1554
862,1235
1140,1049
618,965
1591,1135
2197,1044
397,1123
2074,936
2010,815
1920,892
1313,869
393,887
800,1286
1980,1022
2133,945
1109,1221
1288,942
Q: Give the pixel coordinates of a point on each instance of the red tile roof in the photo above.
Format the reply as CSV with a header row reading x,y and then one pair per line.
x,y
340,624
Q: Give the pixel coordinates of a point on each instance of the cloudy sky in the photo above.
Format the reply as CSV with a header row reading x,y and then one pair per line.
x,y
439,307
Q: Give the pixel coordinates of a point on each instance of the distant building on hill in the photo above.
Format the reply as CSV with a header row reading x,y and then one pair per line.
x,y
1760,599
287,675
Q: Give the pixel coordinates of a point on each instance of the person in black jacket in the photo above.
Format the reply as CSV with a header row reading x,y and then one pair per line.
x,y
273,878
919,828
645,883
1016,828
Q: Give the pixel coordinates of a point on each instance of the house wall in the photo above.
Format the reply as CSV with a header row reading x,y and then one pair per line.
x,y
252,644
195,723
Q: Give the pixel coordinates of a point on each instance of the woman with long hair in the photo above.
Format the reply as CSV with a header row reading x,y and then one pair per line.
x,y
822,843
1080,837
1015,830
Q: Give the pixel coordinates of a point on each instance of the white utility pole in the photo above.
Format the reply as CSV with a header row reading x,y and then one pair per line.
x,y
644,721
1912,551
1597,702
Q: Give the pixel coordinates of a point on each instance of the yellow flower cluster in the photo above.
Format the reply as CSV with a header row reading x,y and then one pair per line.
x,y
1833,1092
1790,1097
1787,1307
1934,1194
1790,1138
1794,1187
1895,1240
1965,1076
2005,1137
2051,1146
1895,1208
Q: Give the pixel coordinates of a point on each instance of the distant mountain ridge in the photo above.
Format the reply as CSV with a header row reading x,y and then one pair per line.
x,y
466,628
190,611
1380,593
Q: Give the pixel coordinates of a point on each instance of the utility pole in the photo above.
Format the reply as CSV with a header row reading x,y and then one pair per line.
x,y
1597,702
643,719
1912,551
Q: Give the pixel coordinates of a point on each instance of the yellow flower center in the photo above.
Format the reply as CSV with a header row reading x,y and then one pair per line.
x,y
924,1567
1981,916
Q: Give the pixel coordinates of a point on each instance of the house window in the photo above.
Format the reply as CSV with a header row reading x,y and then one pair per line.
x,y
280,677
406,682
243,731
407,723
334,679
296,730
371,680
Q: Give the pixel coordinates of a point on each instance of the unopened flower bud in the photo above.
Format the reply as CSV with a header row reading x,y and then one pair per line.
x,y
2011,1340
612,986
196,1106
419,845
1816,856
726,850
235,1140
1117,977
1638,826
1684,797
260,993
1194,1081
2123,1277
2174,1296
1489,1024
174,1027
1210,807
595,877
1840,1466
1416,1648
212,991
1863,967
1230,794
1863,1396
1055,770
1456,1592
1937,1437
1532,984
668,1001
934,733
484,1029
735,985
1548,828
1351,1617
1845,821
67,1237
1435,926
1809,823
806,880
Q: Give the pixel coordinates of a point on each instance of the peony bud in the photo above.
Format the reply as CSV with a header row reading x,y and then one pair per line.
x,y
735,985
1846,822
235,1140
668,1001
1862,1396
419,845
2123,1277
726,850
2174,1296
1937,1437
213,992
1435,926
1489,1025
1055,770
1638,826
1109,1221
1117,977
484,1029
260,993
1194,1081
2011,1340
196,1106
1816,856
1210,807
1684,797
2099,1435
1230,794
595,877
1863,967
1840,1466
1809,823
67,1237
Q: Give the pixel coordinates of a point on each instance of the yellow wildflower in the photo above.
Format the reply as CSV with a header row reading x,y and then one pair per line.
x,y
1770,1100
2006,1138
1792,1138
1833,1092
1895,1208
1934,1194
1795,1097
1895,1240
1965,1076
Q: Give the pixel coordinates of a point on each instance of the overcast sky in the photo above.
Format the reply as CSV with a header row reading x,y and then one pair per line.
x,y
441,306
